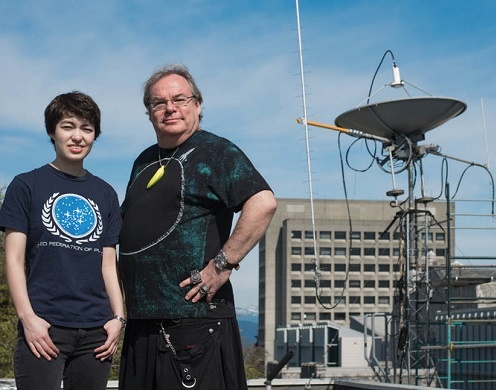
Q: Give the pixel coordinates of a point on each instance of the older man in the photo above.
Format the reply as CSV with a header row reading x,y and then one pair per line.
x,y
177,251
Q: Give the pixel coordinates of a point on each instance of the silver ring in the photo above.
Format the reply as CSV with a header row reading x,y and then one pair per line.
x,y
189,386
196,276
204,290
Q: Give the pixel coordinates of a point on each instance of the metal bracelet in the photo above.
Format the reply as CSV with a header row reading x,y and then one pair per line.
x,y
121,319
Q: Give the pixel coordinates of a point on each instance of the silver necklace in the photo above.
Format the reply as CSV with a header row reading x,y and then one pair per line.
x,y
161,169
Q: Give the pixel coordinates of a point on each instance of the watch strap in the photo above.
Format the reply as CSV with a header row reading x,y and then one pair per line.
x,y
231,266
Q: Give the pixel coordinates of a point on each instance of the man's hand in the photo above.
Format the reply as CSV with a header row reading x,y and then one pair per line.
x,y
211,281
255,217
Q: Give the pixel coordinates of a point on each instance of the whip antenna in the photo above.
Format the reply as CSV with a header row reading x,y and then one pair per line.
x,y
307,145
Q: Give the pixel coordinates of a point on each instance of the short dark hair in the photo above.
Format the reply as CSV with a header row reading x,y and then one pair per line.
x,y
69,105
180,70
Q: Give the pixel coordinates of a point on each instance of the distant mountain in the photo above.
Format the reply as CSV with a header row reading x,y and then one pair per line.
x,y
248,330
248,324
247,311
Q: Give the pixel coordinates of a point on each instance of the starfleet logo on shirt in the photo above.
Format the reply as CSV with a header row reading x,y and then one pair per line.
x,y
72,218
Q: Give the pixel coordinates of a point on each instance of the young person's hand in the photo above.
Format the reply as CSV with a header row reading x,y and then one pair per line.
x,y
37,338
113,328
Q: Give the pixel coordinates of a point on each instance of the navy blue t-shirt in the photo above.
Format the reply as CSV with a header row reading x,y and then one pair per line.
x,y
67,220
181,223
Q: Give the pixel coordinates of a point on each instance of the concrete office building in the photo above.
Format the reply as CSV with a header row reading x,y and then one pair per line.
x,y
359,264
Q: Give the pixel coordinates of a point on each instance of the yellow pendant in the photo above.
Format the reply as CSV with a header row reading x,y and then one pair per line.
x,y
156,177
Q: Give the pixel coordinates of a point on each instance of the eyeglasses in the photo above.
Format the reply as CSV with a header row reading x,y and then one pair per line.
x,y
177,101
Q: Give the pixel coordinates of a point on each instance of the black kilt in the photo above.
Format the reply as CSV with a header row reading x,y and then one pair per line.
x,y
191,353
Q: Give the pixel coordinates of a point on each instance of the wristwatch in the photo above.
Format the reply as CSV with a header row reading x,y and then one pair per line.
x,y
221,262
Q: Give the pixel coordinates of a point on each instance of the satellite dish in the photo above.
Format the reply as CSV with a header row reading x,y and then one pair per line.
x,y
410,117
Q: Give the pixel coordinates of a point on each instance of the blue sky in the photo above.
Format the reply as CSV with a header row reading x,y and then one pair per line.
x,y
244,56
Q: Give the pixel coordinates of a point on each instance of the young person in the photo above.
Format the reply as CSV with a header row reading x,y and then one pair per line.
x,y
61,228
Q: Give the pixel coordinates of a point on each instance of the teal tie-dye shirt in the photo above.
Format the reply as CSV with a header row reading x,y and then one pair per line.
x,y
181,223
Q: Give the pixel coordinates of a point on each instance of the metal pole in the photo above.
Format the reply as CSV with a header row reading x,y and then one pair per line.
x,y
278,368
448,276
410,242
307,144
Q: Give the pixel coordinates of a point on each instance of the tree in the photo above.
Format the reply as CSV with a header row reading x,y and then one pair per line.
x,y
8,317
254,357
8,331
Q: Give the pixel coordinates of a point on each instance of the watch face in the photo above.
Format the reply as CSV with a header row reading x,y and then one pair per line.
x,y
219,263
220,260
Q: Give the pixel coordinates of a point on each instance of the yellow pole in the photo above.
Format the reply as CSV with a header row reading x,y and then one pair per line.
x,y
325,126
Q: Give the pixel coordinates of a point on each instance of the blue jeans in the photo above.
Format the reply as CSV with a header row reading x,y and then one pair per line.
x,y
75,364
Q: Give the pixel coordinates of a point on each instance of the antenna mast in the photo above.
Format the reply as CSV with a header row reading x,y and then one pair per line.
x,y
307,145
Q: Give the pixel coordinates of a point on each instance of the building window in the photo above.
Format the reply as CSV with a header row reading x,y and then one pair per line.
x,y
295,251
396,268
369,236
309,283
384,236
295,267
339,316
384,251
369,284
369,251
354,267
339,251
384,283
396,252
440,237
325,283
326,300
384,267
429,236
296,300
340,300
310,300
396,236
309,251
325,268
325,251
308,235
296,316
340,235
369,300
325,235
309,267
325,316
355,300
295,283
369,268
355,284
356,235
338,283
440,252
355,251
383,300
310,316
296,234
339,267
